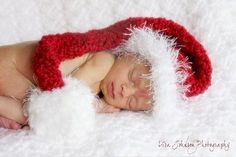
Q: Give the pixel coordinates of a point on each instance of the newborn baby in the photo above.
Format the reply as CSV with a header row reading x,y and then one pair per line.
x,y
116,80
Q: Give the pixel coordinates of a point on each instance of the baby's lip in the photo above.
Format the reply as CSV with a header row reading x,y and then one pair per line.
x,y
113,90
110,90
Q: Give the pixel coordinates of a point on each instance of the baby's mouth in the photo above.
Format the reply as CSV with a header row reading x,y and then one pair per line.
x,y
110,90
113,90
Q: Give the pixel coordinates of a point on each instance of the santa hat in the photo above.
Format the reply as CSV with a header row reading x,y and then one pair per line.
x,y
177,59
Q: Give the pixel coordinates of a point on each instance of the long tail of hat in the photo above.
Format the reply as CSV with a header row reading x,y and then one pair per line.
x,y
52,49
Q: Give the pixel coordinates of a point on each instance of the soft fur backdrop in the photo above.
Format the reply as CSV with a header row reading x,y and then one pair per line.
x,y
209,118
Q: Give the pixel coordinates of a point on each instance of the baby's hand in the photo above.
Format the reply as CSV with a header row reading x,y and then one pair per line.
x,y
8,123
103,107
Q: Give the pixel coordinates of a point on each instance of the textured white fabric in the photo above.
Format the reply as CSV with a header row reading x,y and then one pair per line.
x,y
209,117
61,114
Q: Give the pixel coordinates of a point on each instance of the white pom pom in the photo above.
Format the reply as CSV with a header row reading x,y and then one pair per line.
x,y
65,112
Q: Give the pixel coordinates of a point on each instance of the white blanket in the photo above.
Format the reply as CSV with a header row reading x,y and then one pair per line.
x,y
207,126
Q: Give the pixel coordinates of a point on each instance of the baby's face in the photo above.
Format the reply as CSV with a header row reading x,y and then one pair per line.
x,y
130,91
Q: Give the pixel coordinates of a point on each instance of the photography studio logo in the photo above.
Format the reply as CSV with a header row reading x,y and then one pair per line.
x,y
191,146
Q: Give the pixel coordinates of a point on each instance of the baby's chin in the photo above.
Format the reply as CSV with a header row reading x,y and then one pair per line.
x,y
108,100
104,94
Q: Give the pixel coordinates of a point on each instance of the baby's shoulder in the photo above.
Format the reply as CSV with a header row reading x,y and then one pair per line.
x,y
95,68
102,58
101,62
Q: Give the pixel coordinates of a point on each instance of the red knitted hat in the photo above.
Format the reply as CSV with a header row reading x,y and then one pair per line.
x,y
52,49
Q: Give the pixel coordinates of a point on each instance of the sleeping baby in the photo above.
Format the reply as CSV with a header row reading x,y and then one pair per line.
x,y
154,47
116,80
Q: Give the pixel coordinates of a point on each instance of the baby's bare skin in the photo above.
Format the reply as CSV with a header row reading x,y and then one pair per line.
x,y
15,78
15,69
16,75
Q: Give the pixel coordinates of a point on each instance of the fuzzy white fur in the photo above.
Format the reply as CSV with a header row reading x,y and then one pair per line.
x,y
66,113
209,117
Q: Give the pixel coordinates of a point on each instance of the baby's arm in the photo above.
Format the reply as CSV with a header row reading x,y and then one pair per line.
x,y
11,109
103,107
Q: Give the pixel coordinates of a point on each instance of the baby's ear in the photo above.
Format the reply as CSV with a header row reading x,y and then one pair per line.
x,y
104,107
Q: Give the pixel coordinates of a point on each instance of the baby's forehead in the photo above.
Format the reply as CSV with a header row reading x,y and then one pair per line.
x,y
132,60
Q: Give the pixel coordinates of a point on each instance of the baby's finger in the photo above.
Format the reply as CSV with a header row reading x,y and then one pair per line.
x,y
114,109
15,126
110,109
8,123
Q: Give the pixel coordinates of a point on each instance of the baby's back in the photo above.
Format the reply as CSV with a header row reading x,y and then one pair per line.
x,y
16,74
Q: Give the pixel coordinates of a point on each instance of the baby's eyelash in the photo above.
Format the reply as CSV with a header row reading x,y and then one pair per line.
x,y
131,74
129,102
130,98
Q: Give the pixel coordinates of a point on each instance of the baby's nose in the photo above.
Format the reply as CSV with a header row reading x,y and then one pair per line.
x,y
127,91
